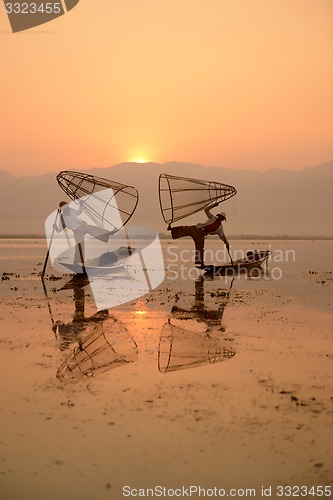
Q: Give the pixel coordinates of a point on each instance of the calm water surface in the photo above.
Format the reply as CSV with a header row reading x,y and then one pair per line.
x,y
170,412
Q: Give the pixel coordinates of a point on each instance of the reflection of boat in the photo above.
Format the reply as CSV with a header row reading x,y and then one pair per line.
x,y
254,258
194,337
112,262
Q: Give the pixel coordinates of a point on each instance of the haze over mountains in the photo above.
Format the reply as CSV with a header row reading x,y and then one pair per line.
x,y
276,202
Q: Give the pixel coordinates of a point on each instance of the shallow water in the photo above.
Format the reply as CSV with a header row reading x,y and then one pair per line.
x,y
222,382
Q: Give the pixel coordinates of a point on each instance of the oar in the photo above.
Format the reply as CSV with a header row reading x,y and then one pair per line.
x,y
230,256
59,213
49,246
54,329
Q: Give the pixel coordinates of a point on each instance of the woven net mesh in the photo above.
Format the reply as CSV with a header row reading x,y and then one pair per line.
x,y
109,347
107,203
181,197
180,349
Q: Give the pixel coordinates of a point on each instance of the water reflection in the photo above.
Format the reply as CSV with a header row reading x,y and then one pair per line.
x,y
196,336
101,342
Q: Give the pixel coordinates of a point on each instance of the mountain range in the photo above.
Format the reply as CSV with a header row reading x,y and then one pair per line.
x,y
275,202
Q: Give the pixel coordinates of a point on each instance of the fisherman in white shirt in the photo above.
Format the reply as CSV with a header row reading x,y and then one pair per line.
x,y
70,218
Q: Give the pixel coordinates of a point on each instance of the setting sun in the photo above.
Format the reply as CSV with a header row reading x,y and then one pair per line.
x,y
140,313
139,153
140,160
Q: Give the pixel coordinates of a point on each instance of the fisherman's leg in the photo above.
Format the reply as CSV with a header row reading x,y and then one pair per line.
x,y
199,241
97,232
79,300
79,246
198,237
77,258
79,253
181,231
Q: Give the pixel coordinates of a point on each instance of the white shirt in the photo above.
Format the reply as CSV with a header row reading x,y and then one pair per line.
x,y
71,217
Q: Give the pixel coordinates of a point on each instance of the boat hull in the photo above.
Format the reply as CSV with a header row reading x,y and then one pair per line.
x,y
108,262
255,259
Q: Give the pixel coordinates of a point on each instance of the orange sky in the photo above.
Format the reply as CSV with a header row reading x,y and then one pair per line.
x,y
235,83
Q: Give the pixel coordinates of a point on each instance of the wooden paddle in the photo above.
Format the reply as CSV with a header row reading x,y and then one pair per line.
x,y
50,243
230,256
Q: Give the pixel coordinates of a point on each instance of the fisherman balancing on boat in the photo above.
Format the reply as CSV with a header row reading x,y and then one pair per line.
x,y
70,218
213,225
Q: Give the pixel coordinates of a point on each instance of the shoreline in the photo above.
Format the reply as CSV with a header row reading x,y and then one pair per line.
x,y
165,236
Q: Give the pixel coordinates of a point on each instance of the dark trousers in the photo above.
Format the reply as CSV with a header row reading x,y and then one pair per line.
x,y
198,236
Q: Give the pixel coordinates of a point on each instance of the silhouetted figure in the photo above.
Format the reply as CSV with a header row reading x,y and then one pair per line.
x,y
192,337
70,219
213,225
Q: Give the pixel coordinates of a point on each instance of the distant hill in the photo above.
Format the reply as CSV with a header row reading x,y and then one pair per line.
x,y
276,202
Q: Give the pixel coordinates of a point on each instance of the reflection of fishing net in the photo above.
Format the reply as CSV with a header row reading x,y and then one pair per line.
x,y
181,197
180,349
108,204
110,348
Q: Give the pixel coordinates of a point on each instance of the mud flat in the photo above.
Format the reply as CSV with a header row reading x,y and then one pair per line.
x,y
209,383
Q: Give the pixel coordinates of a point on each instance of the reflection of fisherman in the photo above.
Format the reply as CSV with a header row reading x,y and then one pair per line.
x,y
100,341
213,225
186,345
70,218
70,331
199,311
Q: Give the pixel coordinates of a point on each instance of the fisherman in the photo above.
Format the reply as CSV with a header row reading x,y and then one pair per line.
x,y
70,218
213,225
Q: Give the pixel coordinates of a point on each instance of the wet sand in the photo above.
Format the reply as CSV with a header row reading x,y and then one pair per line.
x,y
243,399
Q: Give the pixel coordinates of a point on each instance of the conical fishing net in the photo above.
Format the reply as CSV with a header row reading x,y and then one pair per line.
x,y
181,197
180,349
107,203
110,347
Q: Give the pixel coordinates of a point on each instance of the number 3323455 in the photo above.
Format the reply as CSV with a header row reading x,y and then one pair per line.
x,y
33,8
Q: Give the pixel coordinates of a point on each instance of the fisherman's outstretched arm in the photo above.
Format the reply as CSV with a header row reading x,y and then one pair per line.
x,y
208,210
56,226
223,237
78,209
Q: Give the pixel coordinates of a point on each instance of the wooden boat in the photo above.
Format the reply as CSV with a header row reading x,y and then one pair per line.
x,y
254,258
107,262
